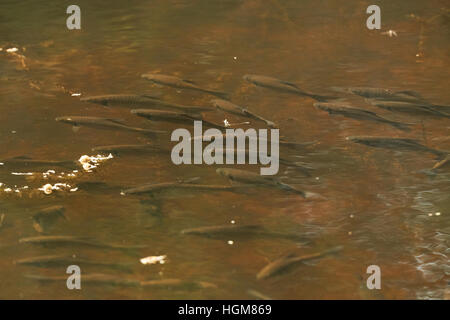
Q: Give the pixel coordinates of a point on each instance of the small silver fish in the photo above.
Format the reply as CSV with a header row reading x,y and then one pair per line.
x,y
288,144
381,93
177,283
129,149
104,123
142,100
240,230
358,114
283,86
157,187
173,116
415,109
176,82
74,240
283,263
248,177
66,260
396,144
22,162
93,278
232,108
121,99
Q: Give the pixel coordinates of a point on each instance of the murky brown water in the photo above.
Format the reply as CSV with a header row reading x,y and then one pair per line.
x,y
381,205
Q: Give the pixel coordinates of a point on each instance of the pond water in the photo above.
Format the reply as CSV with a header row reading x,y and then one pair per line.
x,y
384,207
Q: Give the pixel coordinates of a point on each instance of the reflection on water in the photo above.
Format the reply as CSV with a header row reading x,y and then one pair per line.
x,y
384,207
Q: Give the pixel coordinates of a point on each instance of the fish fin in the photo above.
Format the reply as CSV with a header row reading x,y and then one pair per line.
x,y
289,84
411,93
75,128
189,81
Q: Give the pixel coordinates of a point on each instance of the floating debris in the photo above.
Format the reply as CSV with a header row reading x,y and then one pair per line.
x,y
154,259
390,33
22,173
91,162
49,188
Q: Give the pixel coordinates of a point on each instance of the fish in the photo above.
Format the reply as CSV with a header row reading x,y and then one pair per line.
x,y
164,105
143,100
94,278
156,187
381,93
45,218
173,116
169,283
121,99
103,123
238,230
281,142
305,170
283,86
74,240
227,106
21,162
179,83
282,264
416,109
359,114
66,260
129,149
247,177
396,144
